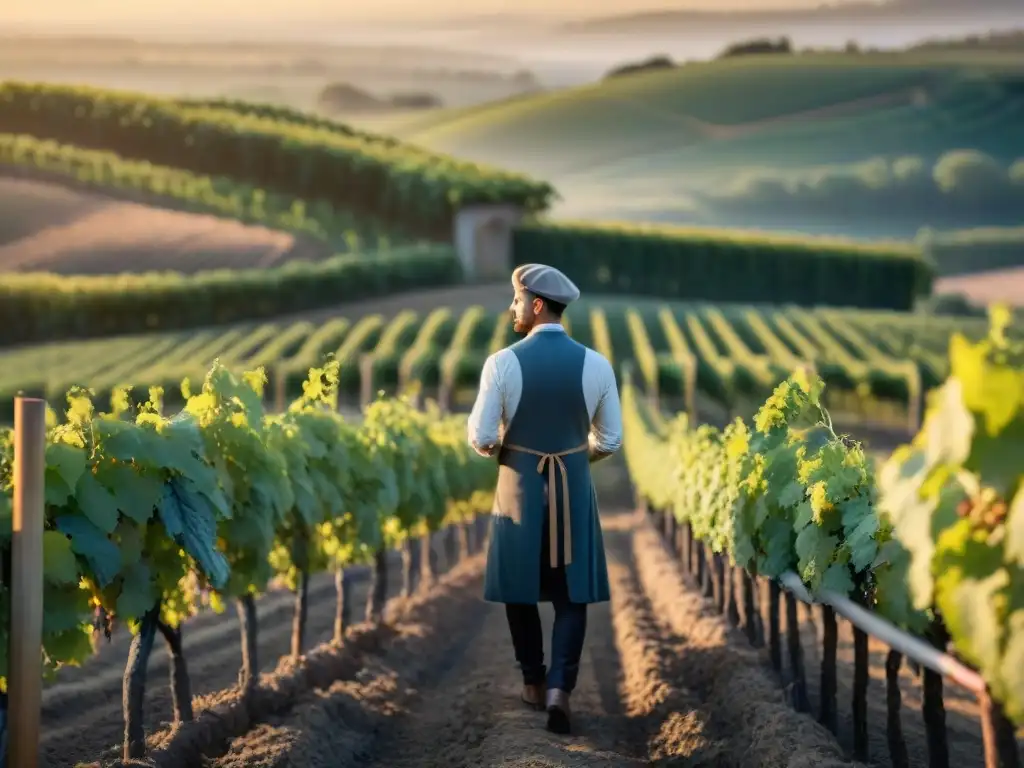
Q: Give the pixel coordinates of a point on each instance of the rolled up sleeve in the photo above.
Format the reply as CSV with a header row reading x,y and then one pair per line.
x,y
606,426
485,419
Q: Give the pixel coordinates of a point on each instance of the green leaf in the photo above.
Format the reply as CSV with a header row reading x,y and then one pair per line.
x,y
102,555
138,592
97,503
861,539
949,426
1010,675
135,494
837,579
72,646
792,494
64,608
814,548
996,458
130,542
65,464
968,584
6,519
59,564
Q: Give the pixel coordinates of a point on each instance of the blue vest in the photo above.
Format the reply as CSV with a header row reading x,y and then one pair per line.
x,y
551,417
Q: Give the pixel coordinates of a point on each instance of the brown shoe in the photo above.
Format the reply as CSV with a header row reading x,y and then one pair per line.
x,y
533,696
558,711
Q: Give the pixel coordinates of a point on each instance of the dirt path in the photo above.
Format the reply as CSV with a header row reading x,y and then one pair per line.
x,y
81,713
445,692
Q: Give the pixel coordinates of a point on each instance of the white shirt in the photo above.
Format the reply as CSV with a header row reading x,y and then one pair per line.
x,y
501,387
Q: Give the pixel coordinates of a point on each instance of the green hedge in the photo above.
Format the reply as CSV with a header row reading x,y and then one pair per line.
x,y
717,265
397,184
144,182
46,307
973,250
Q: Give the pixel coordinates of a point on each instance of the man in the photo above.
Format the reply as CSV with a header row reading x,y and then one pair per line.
x,y
548,407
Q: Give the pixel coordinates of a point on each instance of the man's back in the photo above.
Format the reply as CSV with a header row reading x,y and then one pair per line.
x,y
563,380
552,414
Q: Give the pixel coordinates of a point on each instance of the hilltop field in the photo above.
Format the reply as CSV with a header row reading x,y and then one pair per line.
x,y
867,145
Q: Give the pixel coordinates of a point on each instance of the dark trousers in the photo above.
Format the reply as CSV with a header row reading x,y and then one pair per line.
x,y
567,636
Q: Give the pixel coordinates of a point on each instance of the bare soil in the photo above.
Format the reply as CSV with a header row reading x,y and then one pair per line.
x,y
51,227
1005,285
81,713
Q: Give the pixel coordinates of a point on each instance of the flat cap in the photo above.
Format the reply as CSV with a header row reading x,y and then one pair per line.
x,y
546,282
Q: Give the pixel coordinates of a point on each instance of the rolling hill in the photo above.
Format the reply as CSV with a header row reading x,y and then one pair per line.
x,y
640,147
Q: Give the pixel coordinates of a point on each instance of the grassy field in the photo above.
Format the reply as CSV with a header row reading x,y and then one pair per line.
x,y
642,146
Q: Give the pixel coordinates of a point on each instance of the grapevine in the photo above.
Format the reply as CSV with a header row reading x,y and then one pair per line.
x,y
955,500
938,537
148,518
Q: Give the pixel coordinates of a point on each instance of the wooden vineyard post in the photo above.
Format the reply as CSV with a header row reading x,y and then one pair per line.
x,y
828,715
774,636
366,380
796,656
280,387
893,701
933,707
26,619
690,387
860,694
916,406
444,397
997,734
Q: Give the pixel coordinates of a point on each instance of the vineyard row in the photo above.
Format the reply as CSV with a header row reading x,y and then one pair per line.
x,y
302,158
933,543
726,355
150,518
216,195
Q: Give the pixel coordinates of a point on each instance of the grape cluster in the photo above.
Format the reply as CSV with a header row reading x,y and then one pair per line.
x,y
988,510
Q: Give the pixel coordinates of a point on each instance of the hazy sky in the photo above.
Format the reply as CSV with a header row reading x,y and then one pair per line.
x,y
118,12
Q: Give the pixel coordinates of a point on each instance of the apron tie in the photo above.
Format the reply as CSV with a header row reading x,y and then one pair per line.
x,y
553,460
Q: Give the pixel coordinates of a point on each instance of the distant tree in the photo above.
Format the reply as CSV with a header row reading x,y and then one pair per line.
x,y
345,97
524,78
652,64
415,100
758,46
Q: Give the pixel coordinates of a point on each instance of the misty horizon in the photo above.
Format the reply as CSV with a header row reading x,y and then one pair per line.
x,y
194,17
